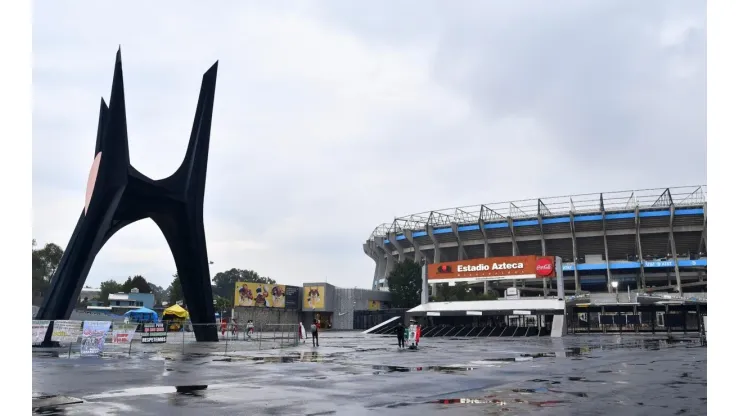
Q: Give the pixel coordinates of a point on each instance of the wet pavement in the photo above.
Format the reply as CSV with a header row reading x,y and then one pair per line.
x,y
356,374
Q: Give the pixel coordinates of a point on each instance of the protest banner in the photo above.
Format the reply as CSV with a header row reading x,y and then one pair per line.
x,y
154,333
93,337
66,331
123,334
38,331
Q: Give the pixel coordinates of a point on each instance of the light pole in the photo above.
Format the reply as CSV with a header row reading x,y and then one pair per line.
x,y
615,285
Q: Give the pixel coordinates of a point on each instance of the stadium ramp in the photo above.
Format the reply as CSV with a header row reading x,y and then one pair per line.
x,y
381,327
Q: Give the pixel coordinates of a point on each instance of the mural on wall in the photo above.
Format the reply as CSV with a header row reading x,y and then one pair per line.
x,y
313,297
259,295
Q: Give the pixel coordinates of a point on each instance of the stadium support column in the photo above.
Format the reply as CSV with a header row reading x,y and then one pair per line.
x,y
486,249
424,283
606,251
392,238
461,253
577,279
435,243
382,265
418,255
703,241
545,282
437,253
390,261
638,241
377,256
673,251
514,246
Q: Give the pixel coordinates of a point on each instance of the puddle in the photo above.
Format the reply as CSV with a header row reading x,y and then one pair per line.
x,y
53,404
498,401
537,380
196,390
189,390
537,390
523,357
312,357
435,368
545,377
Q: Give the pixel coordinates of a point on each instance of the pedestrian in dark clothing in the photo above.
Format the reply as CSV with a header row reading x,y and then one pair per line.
x,y
400,332
315,333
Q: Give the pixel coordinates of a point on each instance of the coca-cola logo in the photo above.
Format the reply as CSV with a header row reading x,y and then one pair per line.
x,y
544,267
446,268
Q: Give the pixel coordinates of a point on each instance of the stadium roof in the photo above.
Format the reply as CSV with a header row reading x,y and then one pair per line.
x,y
546,207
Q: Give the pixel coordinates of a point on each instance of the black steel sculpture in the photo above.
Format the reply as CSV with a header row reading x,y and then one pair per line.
x,y
118,195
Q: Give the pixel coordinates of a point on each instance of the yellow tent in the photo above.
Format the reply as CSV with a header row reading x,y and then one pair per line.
x,y
177,311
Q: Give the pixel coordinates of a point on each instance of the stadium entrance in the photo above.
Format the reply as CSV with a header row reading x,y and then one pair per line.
x,y
512,316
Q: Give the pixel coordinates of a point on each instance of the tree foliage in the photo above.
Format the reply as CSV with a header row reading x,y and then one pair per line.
x,y
223,304
404,284
160,294
108,287
137,282
225,282
175,290
44,262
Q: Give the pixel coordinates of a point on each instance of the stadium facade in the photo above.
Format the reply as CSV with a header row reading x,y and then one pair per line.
x,y
652,240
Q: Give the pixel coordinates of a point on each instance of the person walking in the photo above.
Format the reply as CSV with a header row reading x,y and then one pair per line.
x,y
250,328
301,332
400,334
315,333
234,328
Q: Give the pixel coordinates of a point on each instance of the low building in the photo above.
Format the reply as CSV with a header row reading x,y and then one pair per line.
x,y
88,294
335,307
120,303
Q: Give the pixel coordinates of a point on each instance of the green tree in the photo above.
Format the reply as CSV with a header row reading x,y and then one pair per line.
x,y
44,262
224,283
175,290
223,304
404,284
108,287
160,294
487,296
137,282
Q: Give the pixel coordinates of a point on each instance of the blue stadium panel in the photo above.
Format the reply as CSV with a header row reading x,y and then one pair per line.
x,y
557,220
624,265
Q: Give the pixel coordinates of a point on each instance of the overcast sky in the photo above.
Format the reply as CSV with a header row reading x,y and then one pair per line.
x,y
332,117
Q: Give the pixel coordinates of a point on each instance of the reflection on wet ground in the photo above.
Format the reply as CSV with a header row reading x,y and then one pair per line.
x,y
357,374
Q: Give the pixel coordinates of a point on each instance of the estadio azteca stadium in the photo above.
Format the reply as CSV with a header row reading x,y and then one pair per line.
x,y
651,240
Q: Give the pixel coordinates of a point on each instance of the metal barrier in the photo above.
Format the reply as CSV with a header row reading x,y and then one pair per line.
x,y
651,318
232,339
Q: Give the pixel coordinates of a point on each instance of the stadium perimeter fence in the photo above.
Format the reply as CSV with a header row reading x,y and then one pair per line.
x,y
233,339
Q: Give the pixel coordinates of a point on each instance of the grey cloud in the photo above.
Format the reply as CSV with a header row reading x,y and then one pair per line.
x,y
331,119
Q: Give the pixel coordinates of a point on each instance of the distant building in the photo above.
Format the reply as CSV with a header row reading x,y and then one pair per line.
x,y
88,294
120,303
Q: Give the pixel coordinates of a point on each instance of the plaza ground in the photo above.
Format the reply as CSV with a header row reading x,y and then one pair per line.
x,y
356,374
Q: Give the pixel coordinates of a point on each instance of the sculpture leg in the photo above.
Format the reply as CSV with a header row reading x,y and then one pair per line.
x,y
187,242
